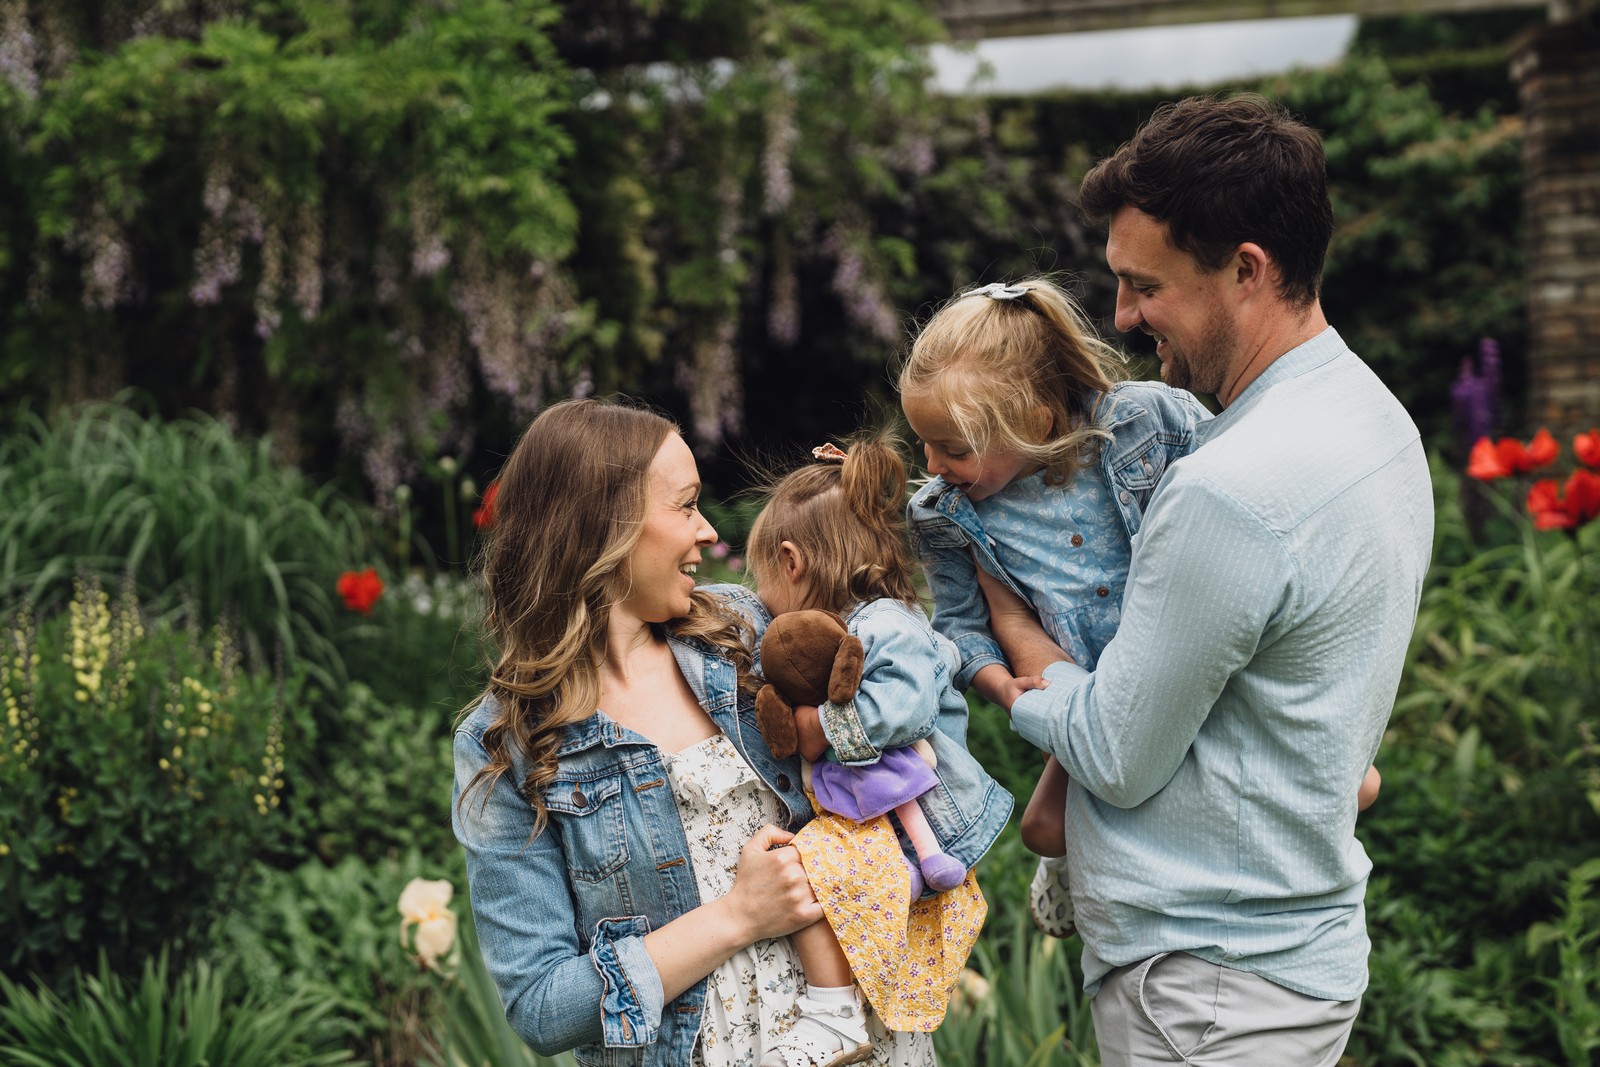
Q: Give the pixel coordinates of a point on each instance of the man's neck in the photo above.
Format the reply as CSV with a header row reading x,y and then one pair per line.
x,y
1281,332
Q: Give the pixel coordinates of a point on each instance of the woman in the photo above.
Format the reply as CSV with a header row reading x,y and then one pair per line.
x,y
624,825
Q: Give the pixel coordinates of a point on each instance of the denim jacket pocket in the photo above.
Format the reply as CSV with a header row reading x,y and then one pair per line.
x,y
1141,468
594,835
941,534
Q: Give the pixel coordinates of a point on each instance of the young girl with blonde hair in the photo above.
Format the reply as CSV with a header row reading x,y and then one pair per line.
x,y
1044,460
832,536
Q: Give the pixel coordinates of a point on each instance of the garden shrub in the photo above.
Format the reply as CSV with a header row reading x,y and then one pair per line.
x,y
140,771
333,932
383,790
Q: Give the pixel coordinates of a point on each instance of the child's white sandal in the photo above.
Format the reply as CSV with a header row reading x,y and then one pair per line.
x,y
847,1040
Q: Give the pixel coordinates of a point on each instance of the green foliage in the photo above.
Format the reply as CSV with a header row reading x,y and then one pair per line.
x,y
382,790
1575,938
140,770
475,1027
205,524
332,933
1488,808
1028,1007
184,1021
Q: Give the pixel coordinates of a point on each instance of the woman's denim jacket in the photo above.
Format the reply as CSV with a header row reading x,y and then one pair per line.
x,y
906,695
1152,425
561,918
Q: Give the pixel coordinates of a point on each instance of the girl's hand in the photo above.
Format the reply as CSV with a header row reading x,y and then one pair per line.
x,y
1017,686
808,727
771,896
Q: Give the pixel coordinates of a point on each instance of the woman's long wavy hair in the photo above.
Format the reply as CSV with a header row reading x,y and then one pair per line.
x,y
993,363
849,521
568,513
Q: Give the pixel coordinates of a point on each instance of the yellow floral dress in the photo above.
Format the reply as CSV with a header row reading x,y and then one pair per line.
x,y
750,998
906,955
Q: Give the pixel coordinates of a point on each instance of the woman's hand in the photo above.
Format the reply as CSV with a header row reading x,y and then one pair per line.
x,y
771,896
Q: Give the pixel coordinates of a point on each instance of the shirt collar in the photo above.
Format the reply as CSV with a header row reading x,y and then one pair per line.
x,y
1297,361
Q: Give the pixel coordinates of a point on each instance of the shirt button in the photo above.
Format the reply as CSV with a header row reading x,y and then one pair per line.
x,y
578,799
1077,540
783,783
1102,591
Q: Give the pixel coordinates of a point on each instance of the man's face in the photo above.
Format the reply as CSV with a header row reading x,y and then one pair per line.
x,y
1164,292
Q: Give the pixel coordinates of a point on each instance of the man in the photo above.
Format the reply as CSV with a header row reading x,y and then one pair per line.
x,y
1216,750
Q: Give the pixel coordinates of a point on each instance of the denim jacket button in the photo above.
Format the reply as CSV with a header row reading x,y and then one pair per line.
x,y
1125,496
783,783
578,799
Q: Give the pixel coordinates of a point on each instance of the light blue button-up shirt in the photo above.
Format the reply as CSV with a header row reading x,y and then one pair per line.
x,y
1216,749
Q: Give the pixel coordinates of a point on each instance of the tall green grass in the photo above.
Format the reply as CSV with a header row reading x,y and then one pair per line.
x,y
159,1020
206,524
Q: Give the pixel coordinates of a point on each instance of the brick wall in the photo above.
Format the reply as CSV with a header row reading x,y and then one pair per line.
x,y
1557,71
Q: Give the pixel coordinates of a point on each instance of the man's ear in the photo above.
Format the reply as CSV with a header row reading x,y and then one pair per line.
x,y
791,561
1252,268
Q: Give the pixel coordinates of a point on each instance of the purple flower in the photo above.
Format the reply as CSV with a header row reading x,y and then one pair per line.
x,y
1474,395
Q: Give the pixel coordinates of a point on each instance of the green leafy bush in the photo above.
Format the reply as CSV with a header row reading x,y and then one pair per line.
x,y
333,932
186,1021
383,790
140,770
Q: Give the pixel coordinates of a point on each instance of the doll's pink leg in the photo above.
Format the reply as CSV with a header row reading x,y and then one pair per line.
x,y
940,871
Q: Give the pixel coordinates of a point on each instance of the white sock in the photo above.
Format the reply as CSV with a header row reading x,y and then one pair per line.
x,y
832,995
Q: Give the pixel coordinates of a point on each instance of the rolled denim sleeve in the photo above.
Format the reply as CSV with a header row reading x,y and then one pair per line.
x,y
897,703
557,995
959,611
630,1012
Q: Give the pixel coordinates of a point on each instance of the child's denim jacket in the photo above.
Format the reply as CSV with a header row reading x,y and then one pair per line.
x,y
1152,425
906,695
561,918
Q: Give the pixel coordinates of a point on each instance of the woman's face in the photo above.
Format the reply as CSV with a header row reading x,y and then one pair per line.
x,y
661,570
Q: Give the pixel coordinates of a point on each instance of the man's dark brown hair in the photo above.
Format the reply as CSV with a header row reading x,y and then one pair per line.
x,y
1220,172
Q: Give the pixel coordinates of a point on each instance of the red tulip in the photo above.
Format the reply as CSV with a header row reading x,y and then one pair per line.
x,y
360,589
1508,456
1558,509
484,515
1586,446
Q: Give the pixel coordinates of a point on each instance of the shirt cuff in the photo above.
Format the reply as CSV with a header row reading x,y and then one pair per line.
x,y
1033,712
846,734
630,1010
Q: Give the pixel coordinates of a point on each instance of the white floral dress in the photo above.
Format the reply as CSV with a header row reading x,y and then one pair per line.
x,y
723,803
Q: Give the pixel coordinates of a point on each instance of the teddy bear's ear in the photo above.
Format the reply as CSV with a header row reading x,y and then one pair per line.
x,y
776,721
847,667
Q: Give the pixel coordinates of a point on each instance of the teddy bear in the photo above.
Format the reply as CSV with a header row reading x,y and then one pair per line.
x,y
808,657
